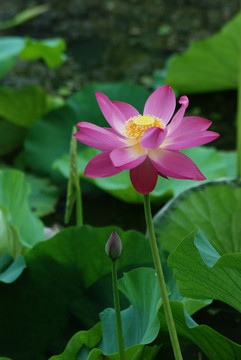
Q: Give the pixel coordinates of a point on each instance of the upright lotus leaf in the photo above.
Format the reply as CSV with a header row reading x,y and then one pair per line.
x,y
139,322
212,276
50,50
23,107
66,284
14,193
210,64
214,207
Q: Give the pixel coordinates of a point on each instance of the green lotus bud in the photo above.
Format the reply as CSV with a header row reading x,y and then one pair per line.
x,y
113,246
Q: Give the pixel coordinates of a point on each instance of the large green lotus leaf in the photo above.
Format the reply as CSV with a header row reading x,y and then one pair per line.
x,y
214,207
207,159
14,193
209,65
49,138
23,107
11,269
10,47
50,50
212,276
66,284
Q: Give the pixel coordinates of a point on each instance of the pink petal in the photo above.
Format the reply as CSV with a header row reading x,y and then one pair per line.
x,y
97,137
152,138
174,164
101,166
161,103
193,139
127,110
128,157
190,124
177,119
112,114
144,177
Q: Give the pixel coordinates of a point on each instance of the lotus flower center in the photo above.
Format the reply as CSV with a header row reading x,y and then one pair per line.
x,y
137,125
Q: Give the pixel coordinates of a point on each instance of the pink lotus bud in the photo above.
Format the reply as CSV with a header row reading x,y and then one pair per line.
x,y
113,246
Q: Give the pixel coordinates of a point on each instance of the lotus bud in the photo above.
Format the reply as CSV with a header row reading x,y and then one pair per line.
x,y
113,246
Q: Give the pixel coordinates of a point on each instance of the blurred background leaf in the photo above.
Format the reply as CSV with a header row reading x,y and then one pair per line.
x,y
24,16
210,64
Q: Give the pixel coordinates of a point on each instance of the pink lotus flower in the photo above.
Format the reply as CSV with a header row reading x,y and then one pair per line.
x,y
147,144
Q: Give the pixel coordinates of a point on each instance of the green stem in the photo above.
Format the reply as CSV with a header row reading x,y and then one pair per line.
x,y
239,120
79,210
161,280
117,312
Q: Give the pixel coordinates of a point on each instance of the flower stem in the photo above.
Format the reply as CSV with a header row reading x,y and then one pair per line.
x,y
239,120
117,312
161,280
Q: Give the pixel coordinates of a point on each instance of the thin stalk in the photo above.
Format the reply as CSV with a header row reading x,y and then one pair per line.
x,y
239,120
161,280
79,209
117,312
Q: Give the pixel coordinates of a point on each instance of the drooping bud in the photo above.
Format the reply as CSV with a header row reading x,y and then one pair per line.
x,y
113,246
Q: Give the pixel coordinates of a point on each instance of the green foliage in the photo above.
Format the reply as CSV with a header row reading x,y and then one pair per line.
x,y
11,269
66,284
12,47
24,16
12,136
213,207
13,196
210,64
214,345
9,239
43,196
23,107
50,50
212,276
142,322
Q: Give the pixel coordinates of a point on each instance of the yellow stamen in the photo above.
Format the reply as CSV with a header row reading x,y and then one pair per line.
x,y
137,125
